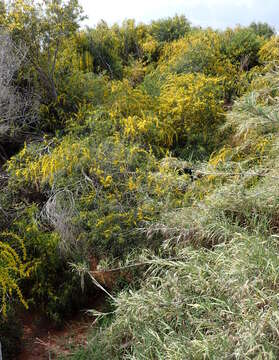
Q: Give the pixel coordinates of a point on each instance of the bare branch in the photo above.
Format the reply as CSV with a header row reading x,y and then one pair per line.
x,y
17,108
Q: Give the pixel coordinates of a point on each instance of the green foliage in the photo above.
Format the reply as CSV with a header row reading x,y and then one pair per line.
x,y
103,45
42,27
241,46
170,29
51,287
109,49
263,29
130,36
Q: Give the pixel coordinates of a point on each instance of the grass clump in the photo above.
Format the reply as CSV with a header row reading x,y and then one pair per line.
x,y
209,304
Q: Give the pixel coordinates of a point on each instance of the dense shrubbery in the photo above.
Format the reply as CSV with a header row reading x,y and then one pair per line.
x,y
135,147
213,292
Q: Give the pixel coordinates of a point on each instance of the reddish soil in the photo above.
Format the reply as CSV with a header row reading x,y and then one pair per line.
x,y
41,341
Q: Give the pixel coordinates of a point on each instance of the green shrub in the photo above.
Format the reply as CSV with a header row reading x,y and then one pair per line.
x,y
170,29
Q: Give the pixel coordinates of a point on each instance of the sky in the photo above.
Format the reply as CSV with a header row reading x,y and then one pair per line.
x,y
215,13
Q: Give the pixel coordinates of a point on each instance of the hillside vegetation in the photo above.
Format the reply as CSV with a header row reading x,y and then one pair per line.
x,y
142,160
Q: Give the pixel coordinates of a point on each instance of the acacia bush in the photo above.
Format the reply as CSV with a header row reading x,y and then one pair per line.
x,y
270,50
118,187
14,267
